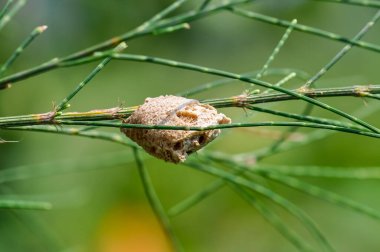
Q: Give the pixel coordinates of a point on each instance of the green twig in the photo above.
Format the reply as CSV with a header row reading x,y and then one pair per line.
x,y
281,201
358,173
304,28
64,104
204,4
273,219
24,205
221,126
320,193
342,52
302,117
365,3
112,137
172,29
8,14
155,202
35,33
277,49
143,58
162,24
235,101
5,9
214,84
161,15
260,154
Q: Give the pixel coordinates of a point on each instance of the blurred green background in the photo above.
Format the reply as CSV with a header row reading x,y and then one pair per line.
x,y
105,210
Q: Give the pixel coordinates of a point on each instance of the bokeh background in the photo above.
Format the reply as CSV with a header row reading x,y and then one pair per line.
x,y
105,209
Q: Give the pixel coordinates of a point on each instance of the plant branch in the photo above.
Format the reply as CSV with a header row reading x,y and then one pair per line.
x,y
5,9
8,12
304,28
35,33
155,202
64,104
343,51
235,101
365,3
135,33
24,204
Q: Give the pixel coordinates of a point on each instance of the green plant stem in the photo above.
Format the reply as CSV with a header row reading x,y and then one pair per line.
x,y
358,173
302,117
373,96
5,9
323,194
64,104
24,204
310,83
365,3
204,4
222,126
56,168
112,137
342,52
281,201
161,15
273,219
135,33
304,28
258,155
172,29
236,101
155,202
143,58
277,49
301,186
35,33
214,84
9,13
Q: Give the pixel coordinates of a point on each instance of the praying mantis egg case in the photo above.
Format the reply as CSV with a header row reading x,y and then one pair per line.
x,y
173,145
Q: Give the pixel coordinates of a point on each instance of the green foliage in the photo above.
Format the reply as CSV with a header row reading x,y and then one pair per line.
x,y
250,180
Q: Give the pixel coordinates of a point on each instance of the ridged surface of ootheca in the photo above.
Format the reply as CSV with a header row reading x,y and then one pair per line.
x,y
174,145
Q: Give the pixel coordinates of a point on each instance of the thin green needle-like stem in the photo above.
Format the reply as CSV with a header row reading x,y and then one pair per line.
x,y
320,193
262,153
277,49
162,24
214,84
302,117
161,61
365,3
235,101
342,52
276,198
357,173
280,82
64,104
161,15
304,28
273,219
8,15
221,126
35,33
196,198
310,83
376,97
172,29
301,186
5,9
204,4
24,204
113,137
155,202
